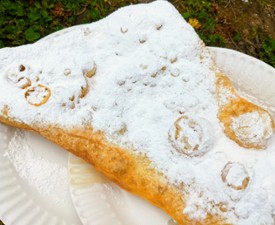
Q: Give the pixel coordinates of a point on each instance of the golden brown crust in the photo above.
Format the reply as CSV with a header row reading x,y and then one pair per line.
x,y
43,100
234,108
133,172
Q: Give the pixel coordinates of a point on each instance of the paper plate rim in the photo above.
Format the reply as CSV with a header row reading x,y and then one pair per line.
x,y
18,204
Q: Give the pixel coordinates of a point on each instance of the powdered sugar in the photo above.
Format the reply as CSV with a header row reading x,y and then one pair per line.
x,y
48,178
190,135
235,176
253,127
151,70
225,96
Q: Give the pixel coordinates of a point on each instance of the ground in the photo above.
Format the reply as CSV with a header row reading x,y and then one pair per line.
x,y
244,25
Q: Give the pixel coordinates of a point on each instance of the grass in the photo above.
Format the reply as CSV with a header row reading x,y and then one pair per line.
x,y
225,24
206,13
26,21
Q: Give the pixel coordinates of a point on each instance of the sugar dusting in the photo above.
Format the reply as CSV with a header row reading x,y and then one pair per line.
x,y
225,96
253,127
48,178
151,70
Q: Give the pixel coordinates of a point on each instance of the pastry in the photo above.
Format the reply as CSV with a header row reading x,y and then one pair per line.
x,y
138,96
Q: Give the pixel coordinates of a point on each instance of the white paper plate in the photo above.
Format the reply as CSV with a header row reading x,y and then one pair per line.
x,y
251,77
100,202
21,203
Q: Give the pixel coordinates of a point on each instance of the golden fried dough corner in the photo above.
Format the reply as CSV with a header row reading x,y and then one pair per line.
x,y
138,96
246,123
